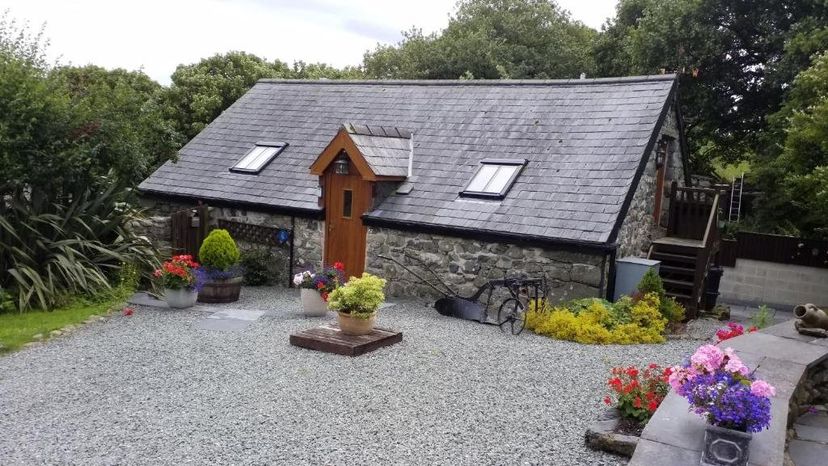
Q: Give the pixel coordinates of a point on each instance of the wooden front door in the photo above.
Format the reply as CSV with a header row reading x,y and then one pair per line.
x,y
346,198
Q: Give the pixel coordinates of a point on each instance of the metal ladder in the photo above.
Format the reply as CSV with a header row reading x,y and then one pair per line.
x,y
736,188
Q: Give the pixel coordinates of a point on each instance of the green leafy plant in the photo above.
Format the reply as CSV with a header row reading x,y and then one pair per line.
x,y
651,283
763,317
359,297
74,247
255,263
219,251
627,321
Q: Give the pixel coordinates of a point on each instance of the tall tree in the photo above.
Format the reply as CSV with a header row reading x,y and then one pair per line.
x,y
793,173
492,39
126,111
201,91
736,59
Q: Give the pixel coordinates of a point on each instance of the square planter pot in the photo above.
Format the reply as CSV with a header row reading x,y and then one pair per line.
x,y
312,303
725,447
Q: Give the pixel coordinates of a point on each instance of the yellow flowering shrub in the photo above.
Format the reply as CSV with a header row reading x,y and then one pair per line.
x,y
600,322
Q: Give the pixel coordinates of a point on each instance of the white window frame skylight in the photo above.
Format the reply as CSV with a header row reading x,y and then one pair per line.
x,y
493,178
257,158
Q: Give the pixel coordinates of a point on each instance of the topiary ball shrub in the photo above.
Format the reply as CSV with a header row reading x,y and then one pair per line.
x,y
219,251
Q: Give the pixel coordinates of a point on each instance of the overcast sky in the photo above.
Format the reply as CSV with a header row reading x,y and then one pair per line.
x,y
158,35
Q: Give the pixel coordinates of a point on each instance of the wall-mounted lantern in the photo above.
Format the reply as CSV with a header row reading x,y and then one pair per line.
x,y
341,164
661,153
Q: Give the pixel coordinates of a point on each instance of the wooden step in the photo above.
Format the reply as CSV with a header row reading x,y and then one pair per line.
x,y
679,296
667,256
678,283
676,269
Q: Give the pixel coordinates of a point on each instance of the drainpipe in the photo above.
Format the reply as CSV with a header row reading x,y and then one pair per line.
x,y
290,261
611,274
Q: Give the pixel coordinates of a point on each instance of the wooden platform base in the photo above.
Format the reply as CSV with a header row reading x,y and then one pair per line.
x,y
330,339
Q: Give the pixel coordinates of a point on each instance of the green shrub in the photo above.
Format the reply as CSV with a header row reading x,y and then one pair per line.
x,y
359,297
51,250
670,308
256,266
651,283
219,251
626,322
763,317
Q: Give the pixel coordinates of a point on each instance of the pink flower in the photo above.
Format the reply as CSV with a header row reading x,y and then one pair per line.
x,y
762,388
734,364
709,357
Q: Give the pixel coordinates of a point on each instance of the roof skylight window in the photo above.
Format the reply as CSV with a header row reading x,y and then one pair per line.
x,y
494,178
258,157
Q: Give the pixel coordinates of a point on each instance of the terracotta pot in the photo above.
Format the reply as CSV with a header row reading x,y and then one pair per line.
x,y
221,291
725,447
312,303
356,326
181,298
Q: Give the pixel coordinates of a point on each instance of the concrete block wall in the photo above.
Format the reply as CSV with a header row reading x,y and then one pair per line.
x,y
778,285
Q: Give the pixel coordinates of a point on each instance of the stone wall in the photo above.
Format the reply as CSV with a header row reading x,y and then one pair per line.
x,y
794,364
307,233
778,285
466,264
639,227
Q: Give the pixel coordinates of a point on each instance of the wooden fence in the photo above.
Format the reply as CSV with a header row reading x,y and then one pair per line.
x,y
189,228
774,248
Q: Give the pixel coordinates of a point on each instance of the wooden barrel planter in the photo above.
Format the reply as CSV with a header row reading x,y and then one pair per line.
x,y
221,291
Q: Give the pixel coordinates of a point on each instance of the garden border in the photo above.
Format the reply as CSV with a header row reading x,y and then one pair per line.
x,y
782,357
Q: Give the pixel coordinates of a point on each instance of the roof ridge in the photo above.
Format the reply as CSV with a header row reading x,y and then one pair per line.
x,y
384,131
476,82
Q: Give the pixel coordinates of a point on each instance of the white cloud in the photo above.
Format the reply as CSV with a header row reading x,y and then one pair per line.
x,y
158,35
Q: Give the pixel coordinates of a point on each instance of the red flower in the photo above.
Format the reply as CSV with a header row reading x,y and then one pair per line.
x,y
632,372
319,286
325,297
339,266
653,365
652,406
637,402
128,311
607,400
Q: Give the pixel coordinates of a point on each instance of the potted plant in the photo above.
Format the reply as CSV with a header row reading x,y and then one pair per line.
x,y
317,286
357,302
178,276
637,392
734,403
219,257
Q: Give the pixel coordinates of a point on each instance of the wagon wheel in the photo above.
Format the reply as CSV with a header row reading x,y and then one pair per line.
x,y
511,315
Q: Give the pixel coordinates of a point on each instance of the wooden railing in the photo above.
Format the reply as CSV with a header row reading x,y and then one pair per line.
x,y
690,211
694,214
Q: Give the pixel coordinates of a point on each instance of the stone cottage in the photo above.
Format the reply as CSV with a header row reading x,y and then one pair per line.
x,y
476,178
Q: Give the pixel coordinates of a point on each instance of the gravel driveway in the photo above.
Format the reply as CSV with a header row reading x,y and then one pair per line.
x,y
160,387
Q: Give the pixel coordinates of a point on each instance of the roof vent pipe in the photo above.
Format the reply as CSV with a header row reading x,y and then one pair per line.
x,y
410,154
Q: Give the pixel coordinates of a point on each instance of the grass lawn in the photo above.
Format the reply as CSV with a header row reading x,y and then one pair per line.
x,y
17,329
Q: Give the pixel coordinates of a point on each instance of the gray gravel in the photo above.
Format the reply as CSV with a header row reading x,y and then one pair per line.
x,y
154,388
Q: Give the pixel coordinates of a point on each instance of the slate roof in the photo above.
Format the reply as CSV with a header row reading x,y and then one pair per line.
x,y
386,149
584,141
